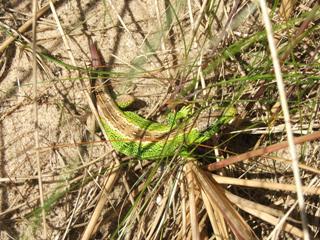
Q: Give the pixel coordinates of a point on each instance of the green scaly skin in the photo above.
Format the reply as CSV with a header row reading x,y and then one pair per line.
x,y
154,149
134,136
163,140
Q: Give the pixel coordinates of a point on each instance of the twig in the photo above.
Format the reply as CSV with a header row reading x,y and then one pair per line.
x,y
284,105
120,18
192,201
257,183
36,116
109,182
261,151
23,28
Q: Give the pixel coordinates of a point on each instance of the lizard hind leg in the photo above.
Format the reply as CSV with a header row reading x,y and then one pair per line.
x,y
125,101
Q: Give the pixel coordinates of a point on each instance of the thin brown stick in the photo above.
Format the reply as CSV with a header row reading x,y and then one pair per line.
x,y
111,178
263,184
262,151
36,116
286,115
192,201
23,28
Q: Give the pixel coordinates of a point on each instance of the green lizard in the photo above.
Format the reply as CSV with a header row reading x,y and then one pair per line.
x,y
134,136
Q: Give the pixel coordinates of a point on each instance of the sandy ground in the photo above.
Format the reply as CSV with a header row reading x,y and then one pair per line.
x,y
125,32
62,108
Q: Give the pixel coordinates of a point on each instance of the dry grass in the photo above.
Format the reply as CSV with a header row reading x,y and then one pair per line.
x,y
60,179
